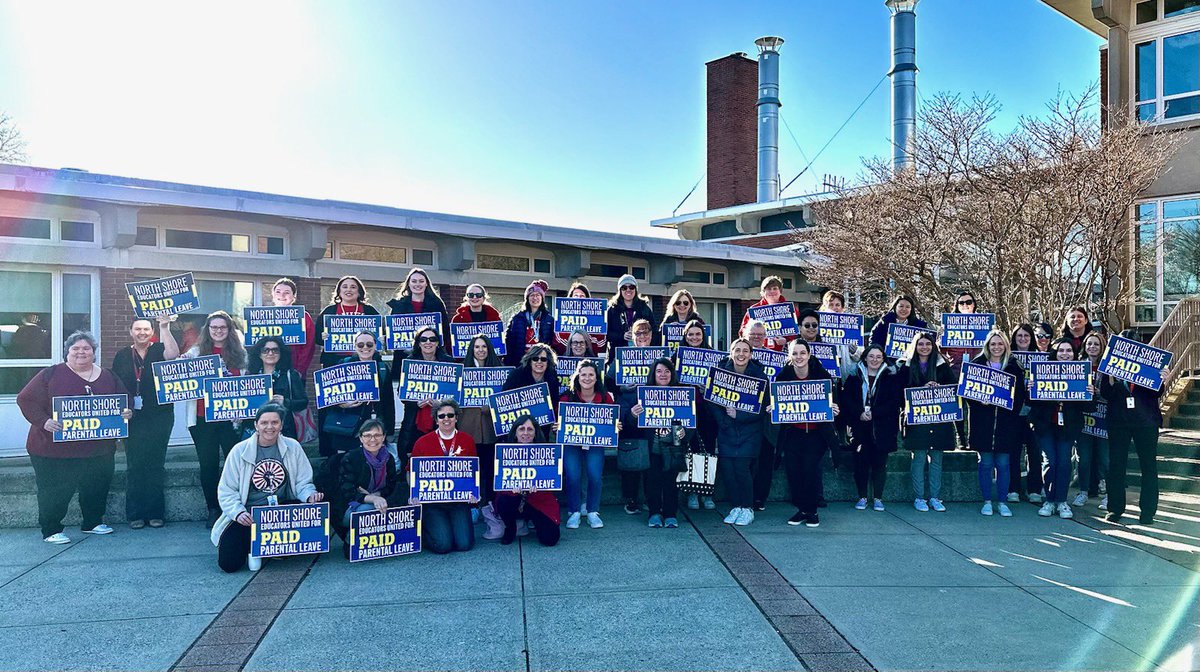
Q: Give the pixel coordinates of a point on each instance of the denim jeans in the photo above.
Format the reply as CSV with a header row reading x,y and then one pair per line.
x,y
355,509
1056,466
1092,451
993,465
575,461
934,459
447,527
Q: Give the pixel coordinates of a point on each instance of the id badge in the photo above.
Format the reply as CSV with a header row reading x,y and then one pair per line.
x,y
1128,402
272,500
137,402
1060,419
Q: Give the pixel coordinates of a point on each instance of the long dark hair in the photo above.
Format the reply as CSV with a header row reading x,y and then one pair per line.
x,y
492,358
362,289
440,353
915,379
588,363
665,361
511,437
1027,328
233,353
703,336
255,365
404,290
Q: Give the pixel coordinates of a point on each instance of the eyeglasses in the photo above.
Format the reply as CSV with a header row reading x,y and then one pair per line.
x,y
641,332
218,327
474,295
373,436
578,342
539,359
270,351
444,416
809,325
365,346
967,302
427,339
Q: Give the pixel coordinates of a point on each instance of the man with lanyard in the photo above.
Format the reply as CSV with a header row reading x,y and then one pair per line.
x,y
150,426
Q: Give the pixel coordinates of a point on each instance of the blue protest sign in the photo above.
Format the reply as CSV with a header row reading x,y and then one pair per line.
x,y
528,466
436,480
90,417
1026,359
462,333
773,361
1095,422
1060,381
695,364
827,354
340,330
401,328
479,384
898,338
795,401
343,383
235,398
986,385
532,399
591,425
779,318
666,406
1135,362
586,315
289,529
286,322
384,534
966,330
932,405
181,379
165,296
736,391
841,328
421,380
672,333
633,364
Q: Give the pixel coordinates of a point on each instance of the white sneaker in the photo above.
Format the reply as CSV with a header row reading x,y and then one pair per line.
x,y
573,521
1064,511
1104,502
1046,510
254,563
987,509
1080,499
733,516
878,505
1036,497
936,505
693,502
1103,487
745,517
594,520
920,504
99,529
1005,512
1014,497
57,538
861,504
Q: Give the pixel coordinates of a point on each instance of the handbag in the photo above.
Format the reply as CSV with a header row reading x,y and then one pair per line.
x,y
341,422
306,425
633,455
700,474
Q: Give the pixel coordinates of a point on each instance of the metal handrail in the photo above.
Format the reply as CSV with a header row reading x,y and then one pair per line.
x,y
1180,334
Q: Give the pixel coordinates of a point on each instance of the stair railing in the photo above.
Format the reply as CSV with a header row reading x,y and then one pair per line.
x,y
1180,334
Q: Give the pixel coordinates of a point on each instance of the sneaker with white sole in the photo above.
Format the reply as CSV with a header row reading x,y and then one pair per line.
x,y
745,517
1005,512
594,520
1036,497
920,504
655,521
936,505
709,504
1064,511
1014,497
693,502
1080,499
861,504
99,529
573,521
1103,503
1103,487
878,505
57,538
254,563
733,515
1047,510
987,509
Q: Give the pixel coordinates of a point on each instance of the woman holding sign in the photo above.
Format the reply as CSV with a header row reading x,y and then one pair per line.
x,y
1134,418
706,421
533,325
739,438
218,336
805,443
586,388
668,449
60,469
418,295
994,431
418,415
1092,450
366,479
446,526
562,340
903,311
1023,339
477,421
349,298
626,396
872,416
272,357
624,309
539,508
1057,425
923,366
284,293
771,291
537,366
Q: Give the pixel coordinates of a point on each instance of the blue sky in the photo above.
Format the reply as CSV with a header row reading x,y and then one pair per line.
x,y
588,115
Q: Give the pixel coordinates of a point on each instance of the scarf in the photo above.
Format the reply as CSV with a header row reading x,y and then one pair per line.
x,y
378,464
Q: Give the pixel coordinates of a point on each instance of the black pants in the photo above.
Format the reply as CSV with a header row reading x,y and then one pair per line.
x,y
58,479
706,428
736,477
1145,441
764,471
870,471
233,547
802,453
145,455
213,441
487,471
1033,478
662,492
631,485
509,509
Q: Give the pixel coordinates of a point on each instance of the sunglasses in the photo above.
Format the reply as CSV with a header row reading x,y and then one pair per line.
x,y
628,287
539,359
427,339
270,351
445,416
967,302
474,295
809,325
683,303
365,346
1043,337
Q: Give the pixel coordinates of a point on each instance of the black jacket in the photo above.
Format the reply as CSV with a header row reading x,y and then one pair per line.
x,y
355,473
523,377
995,429
122,367
882,431
1145,411
331,358
925,437
741,435
385,408
432,304
617,325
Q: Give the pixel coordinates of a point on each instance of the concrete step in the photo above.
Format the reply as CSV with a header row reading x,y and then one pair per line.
x,y
1189,409
1193,394
1169,482
1184,422
1180,466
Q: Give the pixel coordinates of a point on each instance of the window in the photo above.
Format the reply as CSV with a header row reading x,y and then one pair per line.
x,y
1147,10
639,272
147,236
500,262
718,278
716,313
787,283
696,277
1166,62
270,245
20,227
84,232
422,257
377,253
204,240
230,296
38,310
1167,254
541,266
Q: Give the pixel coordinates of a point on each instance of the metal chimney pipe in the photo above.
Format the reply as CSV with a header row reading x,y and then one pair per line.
x,y
904,81
768,118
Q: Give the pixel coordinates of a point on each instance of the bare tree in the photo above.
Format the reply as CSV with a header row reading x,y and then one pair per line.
x,y
1032,221
12,145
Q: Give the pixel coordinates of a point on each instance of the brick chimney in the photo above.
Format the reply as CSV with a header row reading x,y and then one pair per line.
x,y
732,131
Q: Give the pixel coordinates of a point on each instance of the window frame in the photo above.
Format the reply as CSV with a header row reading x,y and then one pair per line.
x,y
1157,31
1162,307
55,238
160,240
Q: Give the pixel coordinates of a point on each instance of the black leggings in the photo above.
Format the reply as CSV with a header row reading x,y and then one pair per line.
x,y
662,491
233,547
508,507
57,481
870,471
803,450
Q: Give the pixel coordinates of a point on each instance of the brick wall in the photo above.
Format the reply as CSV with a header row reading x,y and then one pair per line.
x,y
763,242
732,131
116,313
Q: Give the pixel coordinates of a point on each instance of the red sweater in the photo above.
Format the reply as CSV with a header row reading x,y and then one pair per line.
x,y
463,314
35,404
776,344
432,445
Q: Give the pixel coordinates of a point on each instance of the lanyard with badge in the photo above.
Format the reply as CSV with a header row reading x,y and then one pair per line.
x,y
139,365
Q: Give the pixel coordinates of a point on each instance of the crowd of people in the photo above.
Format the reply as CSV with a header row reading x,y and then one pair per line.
x,y
1034,451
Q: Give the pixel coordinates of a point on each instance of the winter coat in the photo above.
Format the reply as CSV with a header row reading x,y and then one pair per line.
x,y
1145,411
618,324
523,377
879,331
432,304
355,473
880,434
995,429
741,435
515,338
940,436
